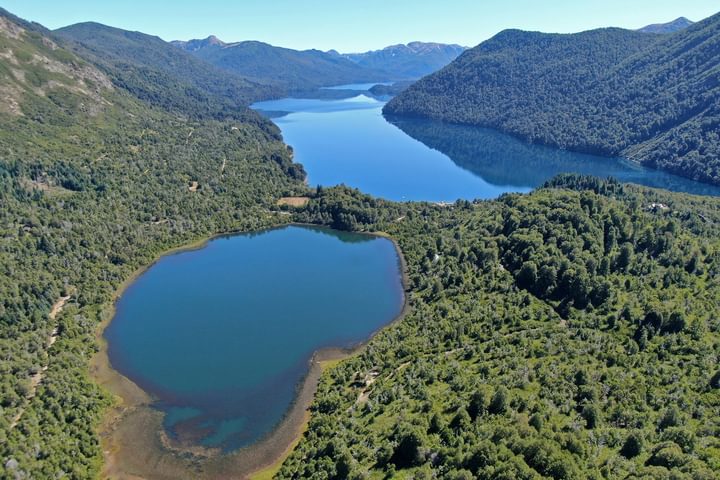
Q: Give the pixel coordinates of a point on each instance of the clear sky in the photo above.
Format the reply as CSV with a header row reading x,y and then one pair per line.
x,y
357,25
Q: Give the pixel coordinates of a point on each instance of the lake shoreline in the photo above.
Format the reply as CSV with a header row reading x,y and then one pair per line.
x,y
133,440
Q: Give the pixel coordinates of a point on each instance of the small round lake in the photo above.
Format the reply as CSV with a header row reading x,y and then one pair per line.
x,y
221,336
342,137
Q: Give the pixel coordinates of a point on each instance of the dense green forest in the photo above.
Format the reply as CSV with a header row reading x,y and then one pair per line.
x,y
652,98
571,333
292,70
93,185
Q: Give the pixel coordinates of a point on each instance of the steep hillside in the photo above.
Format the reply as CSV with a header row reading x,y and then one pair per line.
x,y
568,334
653,98
669,27
95,184
414,60
292,70
160,74
36,75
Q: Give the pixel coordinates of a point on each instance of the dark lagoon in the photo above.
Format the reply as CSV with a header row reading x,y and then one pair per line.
x,y
221,336
347,140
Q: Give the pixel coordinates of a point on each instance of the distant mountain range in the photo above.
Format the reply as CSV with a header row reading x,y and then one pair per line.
x,y
669,27
297,70
411,61
292,70
652,98
302,70
209,77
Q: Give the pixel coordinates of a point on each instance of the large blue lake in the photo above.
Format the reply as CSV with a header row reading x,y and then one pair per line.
x,y
222,335
347,140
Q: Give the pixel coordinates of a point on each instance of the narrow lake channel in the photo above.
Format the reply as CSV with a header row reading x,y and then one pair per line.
x,y
342,137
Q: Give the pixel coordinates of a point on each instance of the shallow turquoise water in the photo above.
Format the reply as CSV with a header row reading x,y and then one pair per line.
x,y
222,335
349,141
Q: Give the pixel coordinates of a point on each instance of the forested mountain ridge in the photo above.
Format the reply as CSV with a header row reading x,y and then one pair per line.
x,y
158,73
653,98
95,184
291,70
571,333
411,61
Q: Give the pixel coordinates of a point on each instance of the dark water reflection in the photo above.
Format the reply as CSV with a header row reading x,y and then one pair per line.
x,y
501,159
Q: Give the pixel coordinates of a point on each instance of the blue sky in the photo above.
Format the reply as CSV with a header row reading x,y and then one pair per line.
x,y
357,25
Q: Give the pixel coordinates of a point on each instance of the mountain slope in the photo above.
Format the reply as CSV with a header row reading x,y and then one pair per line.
x,y
654,98
290,69
414,60
94,184
159,73
37,75
676,25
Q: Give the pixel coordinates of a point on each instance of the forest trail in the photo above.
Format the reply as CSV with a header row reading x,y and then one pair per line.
x,y
37,378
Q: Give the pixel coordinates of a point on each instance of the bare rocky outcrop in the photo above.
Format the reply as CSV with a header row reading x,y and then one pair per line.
x,y
23,55
10,29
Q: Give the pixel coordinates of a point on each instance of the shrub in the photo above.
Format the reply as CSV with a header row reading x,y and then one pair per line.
x,y
633,445
499,401
668,455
